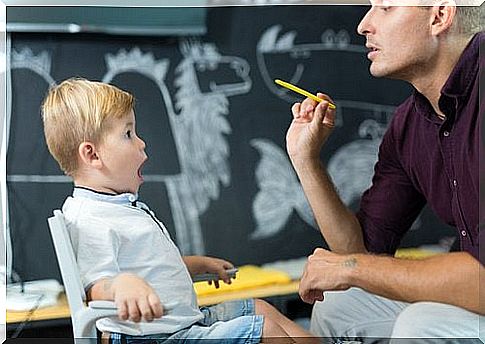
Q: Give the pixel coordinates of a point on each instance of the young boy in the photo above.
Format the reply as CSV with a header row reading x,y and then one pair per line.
x,y
123,251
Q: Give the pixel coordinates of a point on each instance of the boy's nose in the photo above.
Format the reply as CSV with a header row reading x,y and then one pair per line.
x,y
142,143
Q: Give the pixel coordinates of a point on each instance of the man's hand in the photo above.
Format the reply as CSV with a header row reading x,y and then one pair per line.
x,y
311,126
325,271
135,298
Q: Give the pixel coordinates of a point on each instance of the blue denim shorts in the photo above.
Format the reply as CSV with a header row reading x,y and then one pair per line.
x,y
229,322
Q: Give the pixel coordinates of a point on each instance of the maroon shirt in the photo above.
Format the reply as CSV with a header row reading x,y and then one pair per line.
x,y
423,159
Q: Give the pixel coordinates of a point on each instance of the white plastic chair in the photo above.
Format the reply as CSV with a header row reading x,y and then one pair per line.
x,y
83,317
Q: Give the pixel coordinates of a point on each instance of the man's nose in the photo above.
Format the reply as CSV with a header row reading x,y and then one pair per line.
x,y
364,26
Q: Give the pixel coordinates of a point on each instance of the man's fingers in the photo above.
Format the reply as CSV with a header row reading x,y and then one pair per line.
x,y
295,110
325,97
319,114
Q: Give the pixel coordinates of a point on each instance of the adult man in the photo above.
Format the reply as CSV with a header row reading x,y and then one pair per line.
x,y
429,154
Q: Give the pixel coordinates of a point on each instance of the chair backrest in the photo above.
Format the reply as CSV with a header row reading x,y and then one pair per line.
x,y
67,264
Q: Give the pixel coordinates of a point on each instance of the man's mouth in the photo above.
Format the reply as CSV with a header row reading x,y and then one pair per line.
x,y
372,51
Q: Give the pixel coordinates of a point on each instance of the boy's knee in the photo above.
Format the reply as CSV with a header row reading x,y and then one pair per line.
x,y
272,329
264,308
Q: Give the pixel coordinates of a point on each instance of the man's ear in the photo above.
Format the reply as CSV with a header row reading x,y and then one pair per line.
x,y
89,155
443,16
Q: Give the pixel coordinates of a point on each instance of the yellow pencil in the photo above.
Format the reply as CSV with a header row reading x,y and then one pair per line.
x,y
302,92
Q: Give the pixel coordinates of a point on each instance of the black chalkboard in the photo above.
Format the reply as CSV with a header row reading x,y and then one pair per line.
x,y
215,125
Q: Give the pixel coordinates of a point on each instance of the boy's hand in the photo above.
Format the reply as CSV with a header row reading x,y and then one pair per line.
x,y
202,265
218,266
135,298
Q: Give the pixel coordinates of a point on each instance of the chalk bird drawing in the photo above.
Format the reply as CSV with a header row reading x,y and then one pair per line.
x,y
350,167
199,126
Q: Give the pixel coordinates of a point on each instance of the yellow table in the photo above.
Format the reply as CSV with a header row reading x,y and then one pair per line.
x,y
61,310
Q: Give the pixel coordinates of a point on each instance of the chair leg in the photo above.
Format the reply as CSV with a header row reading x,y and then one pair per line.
x,y
105,338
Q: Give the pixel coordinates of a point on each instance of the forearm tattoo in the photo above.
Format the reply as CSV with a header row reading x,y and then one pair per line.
x,y
350,263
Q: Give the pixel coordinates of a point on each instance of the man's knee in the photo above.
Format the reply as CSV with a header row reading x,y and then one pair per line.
x,y
354,313
434,320
329,316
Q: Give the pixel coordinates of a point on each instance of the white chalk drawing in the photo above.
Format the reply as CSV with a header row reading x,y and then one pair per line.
x,y
39,64
357,159
198,123
199,128
279,190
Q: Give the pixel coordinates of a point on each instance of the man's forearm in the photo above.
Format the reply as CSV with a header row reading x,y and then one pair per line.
x,y
452,278
337,223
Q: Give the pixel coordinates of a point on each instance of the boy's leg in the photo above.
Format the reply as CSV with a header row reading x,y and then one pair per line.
x,y
271,313
231,310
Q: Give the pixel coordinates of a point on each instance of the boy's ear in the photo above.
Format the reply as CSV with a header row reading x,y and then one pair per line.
x,y
89,155
443,15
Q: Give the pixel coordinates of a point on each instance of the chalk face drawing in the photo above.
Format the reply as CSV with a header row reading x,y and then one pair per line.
x,y
350,166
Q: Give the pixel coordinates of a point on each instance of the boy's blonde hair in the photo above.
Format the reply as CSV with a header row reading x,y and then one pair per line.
x,y
76,111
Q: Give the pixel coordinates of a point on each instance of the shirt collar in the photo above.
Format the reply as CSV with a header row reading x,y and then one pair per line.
x,y
463,74
461,78
120,199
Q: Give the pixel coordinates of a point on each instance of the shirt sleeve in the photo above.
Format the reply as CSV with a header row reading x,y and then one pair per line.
x,y
96,246
392,203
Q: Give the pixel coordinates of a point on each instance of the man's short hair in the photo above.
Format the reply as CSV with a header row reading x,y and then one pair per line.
x,y
470,19
76,111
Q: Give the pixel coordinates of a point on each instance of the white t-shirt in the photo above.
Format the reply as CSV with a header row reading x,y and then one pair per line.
x,y
111,236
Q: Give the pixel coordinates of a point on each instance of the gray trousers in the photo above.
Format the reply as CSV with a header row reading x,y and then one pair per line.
x,y
358,315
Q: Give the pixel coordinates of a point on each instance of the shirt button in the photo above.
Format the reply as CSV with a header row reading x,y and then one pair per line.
x,y
455,182
446,133
463,233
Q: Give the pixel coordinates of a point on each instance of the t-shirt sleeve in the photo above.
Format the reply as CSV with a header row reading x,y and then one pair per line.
x,y
392,203
96,246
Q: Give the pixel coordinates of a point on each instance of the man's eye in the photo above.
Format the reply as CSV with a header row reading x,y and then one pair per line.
x,y
385,8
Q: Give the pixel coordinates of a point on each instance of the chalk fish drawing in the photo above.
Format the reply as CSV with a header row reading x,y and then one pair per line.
x,y
350,167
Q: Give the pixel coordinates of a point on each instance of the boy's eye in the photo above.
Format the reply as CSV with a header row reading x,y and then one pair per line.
x,y
128,134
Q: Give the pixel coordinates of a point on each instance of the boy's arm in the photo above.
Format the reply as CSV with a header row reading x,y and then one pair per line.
x,y
201,264
135,298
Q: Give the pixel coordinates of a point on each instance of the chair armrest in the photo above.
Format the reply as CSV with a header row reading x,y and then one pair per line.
x,y
102,304
213,277
110,305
